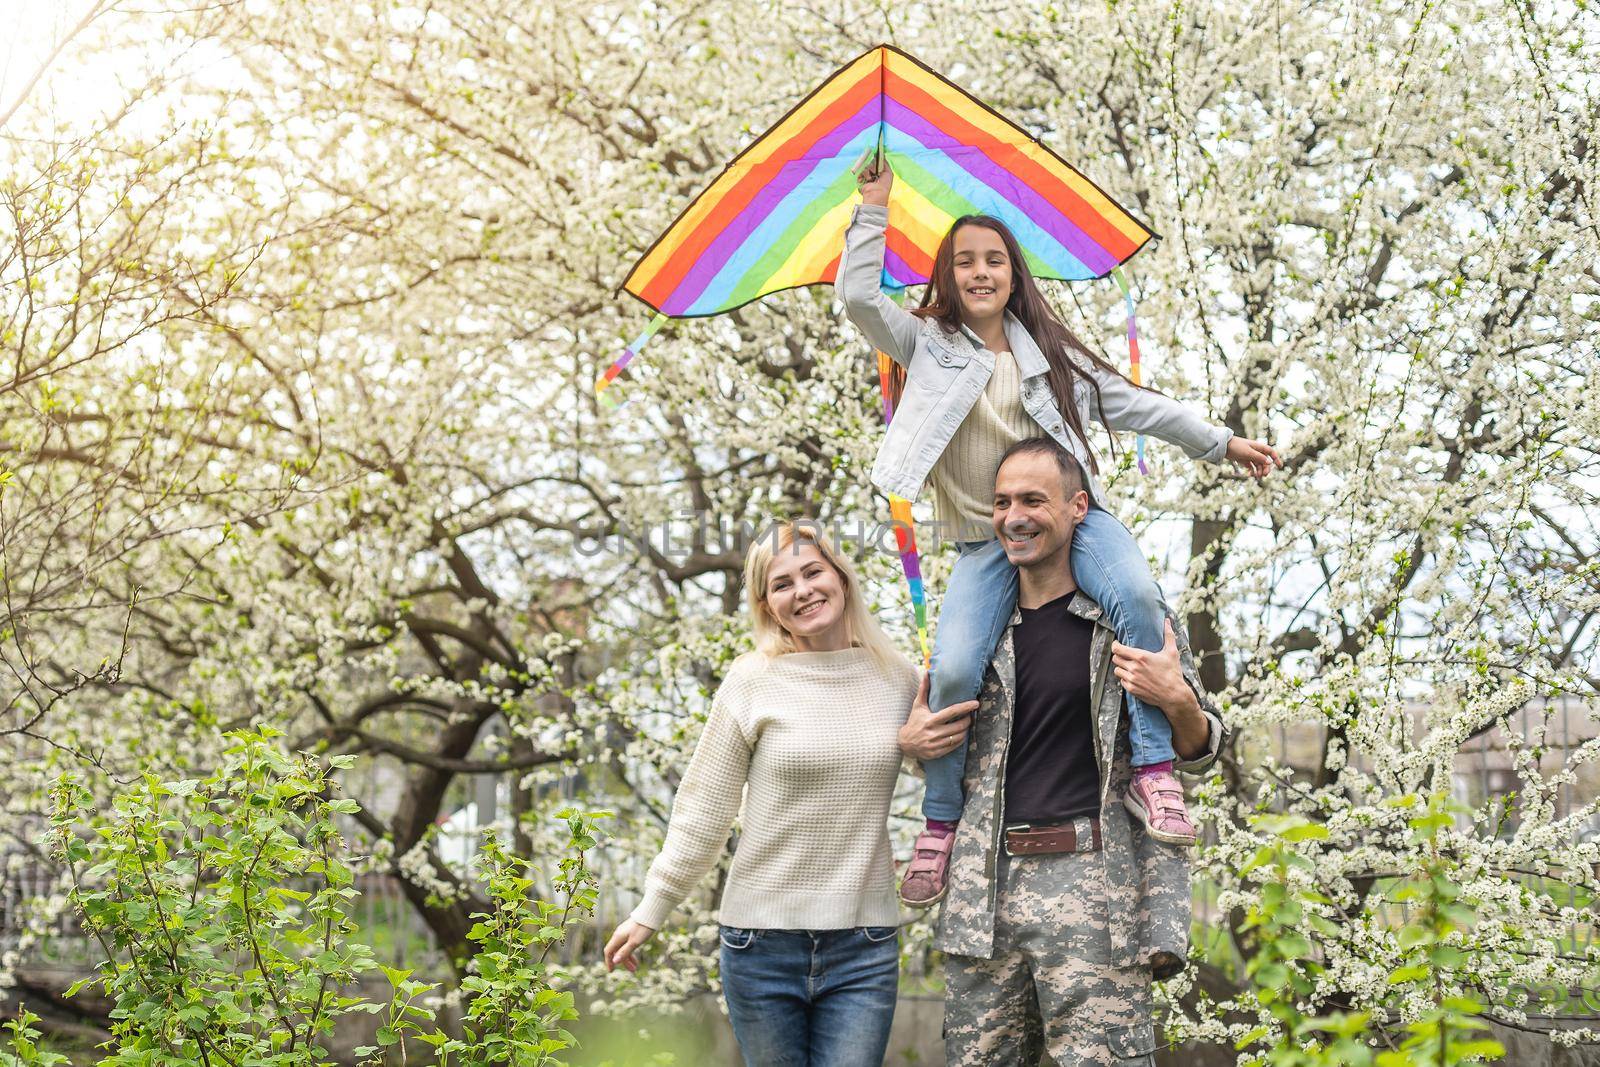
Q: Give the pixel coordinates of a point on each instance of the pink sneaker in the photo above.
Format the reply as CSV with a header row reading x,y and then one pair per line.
x,y
1156,799
924,883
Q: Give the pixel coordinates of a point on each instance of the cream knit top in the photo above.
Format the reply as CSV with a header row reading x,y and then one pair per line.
x,y
810,740
963,478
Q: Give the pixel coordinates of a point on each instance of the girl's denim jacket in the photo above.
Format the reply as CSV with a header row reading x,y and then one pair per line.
x,y
946,372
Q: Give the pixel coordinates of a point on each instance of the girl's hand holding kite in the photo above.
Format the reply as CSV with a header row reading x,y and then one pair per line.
x,y
875,178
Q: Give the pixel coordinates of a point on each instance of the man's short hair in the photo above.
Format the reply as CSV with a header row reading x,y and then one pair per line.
x,y
1072,476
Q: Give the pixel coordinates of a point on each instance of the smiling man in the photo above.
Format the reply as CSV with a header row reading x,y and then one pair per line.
x,y
1061,909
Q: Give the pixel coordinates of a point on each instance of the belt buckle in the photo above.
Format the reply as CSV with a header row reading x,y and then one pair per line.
x,y
1005,836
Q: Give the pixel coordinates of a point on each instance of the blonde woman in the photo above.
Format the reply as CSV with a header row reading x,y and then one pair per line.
x,y
805,729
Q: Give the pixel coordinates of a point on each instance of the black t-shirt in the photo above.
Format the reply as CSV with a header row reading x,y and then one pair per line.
x,y
1051,773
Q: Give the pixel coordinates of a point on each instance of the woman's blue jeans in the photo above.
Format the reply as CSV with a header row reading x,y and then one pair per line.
x,y
978,601
811,998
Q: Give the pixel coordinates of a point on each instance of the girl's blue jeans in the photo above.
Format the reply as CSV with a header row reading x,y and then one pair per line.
x,y
978,602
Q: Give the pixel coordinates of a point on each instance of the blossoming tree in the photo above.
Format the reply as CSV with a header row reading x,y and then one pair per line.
x,y
371,256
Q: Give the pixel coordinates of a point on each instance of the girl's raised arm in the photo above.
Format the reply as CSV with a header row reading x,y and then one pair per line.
x,y
887,325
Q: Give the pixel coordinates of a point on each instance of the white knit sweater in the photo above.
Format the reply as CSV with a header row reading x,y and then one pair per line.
x,y
810,739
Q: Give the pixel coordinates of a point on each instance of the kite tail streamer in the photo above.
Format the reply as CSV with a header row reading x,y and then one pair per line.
x,y
885,369
1133,354
905,537
905,533
623,360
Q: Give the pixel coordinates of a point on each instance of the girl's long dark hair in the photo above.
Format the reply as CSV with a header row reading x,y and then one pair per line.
x,y
942,300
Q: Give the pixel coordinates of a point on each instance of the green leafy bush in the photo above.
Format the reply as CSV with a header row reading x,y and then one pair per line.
x,y
212,955
21,1044
514,1014
221,906
1285,967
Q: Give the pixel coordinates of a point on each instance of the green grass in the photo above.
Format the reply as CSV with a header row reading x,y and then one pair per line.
x,y
642,1040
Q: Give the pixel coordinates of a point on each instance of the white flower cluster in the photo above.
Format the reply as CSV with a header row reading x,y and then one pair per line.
x,y
380,858
416,866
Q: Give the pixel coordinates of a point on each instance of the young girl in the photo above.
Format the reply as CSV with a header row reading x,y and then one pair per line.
x,y
983,363
806,730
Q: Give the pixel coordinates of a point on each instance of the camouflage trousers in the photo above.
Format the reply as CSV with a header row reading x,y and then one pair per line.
x,y
1051,986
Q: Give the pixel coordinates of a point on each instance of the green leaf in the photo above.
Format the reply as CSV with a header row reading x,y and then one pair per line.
x,y
1251,1038
1308,832
1413,973
1485,1048
395,975
1272,976
1293,946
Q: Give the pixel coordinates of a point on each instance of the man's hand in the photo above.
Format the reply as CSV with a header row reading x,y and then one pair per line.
x,y
1154,677
629,936
929,735
1157,678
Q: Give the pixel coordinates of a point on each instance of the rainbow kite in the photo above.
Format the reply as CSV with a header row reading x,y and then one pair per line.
x,y
775,217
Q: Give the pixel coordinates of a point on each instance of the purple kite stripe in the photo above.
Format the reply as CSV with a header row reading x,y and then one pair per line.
x,y
617,367
899,269
1047,216
825,150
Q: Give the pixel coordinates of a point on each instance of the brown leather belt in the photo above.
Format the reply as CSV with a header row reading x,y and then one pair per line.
x,y
1079,835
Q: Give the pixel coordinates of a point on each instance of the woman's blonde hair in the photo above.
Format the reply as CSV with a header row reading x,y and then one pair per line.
x,y
771,638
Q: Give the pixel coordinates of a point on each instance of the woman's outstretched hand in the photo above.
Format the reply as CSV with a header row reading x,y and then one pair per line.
x,y
1255,456
619,950
929,734
874,180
